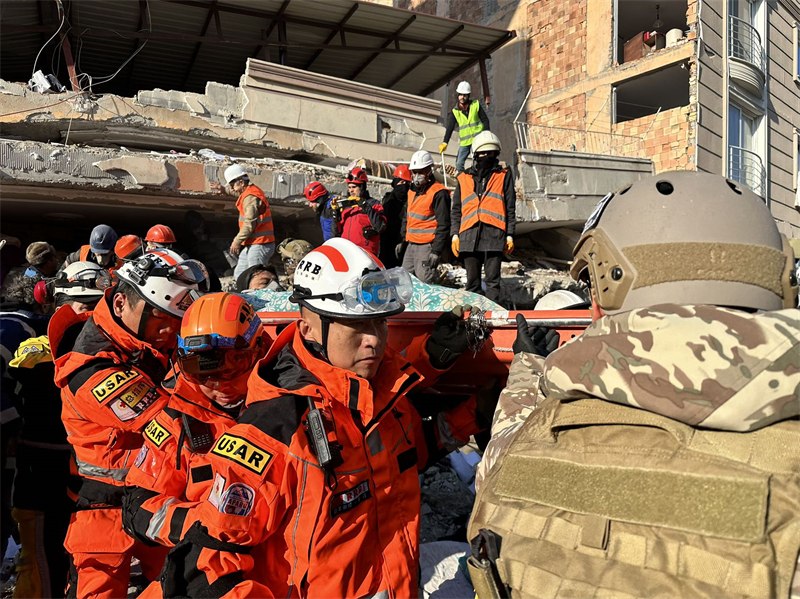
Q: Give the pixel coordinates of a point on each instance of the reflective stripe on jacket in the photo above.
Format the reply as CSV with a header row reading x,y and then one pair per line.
x,y
489,208
421,223
110,388
469,125
263,232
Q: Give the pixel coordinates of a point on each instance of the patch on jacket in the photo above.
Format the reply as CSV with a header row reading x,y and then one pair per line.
x,y
112,383
134,400
217,489
342,502
243,452
237,500
140,457
156,433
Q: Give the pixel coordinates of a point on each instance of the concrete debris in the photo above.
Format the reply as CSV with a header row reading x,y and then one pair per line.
x,y
144,170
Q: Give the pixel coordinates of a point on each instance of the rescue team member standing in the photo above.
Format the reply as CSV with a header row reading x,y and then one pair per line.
x,y
676,478
320,199
221,339
109,365
255,242
316,489
361,218
471,120
482,218
394,207
426,223
100,248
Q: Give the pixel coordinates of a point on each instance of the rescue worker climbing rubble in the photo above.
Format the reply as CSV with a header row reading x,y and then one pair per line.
x,y
315,491
426,222
657,453
255,241
471,119
221,339
483,214
109,365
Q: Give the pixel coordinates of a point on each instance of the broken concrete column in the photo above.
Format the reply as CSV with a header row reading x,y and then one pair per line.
x,y
148,172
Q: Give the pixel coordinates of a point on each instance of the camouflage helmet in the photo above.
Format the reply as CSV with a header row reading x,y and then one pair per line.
x,y
294,249
685,238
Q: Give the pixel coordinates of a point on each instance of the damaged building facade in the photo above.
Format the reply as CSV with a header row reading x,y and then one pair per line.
x,y
593,93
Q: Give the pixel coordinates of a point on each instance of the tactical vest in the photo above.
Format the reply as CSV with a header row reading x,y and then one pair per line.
x,y
489,207
469,125
594,499
263,232
421,219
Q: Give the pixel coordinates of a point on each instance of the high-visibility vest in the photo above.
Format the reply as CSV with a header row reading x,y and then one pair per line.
x,y
469,125
263,231
489,208
85,253
421,218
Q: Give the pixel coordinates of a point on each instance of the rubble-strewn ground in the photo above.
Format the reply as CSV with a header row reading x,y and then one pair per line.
x,y
446,504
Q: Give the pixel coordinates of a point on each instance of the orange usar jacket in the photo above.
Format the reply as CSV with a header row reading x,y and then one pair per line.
x,y
110,389
263,232
172,470
275,523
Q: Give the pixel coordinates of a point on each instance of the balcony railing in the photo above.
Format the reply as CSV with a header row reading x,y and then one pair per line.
x,y
744,43
540,138
746,167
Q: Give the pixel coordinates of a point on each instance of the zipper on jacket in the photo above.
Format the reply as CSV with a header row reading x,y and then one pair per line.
x,y
399,417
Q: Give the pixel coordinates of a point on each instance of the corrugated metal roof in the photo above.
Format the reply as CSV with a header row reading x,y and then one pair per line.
x,y
360,41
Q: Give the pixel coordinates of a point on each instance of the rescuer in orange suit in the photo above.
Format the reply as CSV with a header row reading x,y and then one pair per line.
x,y
109,365
482,216
221,339
316,489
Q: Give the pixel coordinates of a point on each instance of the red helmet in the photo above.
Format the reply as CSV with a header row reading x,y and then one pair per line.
x,y
357,175
402,172
160,234
314,191
128,246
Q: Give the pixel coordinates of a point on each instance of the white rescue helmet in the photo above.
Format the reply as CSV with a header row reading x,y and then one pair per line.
x,y
165,280
420,160
485,141
464,88
341,280
560,299
233,172
82,281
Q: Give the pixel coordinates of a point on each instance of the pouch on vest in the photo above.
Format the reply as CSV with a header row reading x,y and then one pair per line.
x,y
482,566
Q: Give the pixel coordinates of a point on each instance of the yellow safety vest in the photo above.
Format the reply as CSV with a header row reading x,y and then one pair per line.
x,y
470,125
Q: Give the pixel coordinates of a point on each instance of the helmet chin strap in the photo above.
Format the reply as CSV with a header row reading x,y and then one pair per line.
x,y
143,320
326,327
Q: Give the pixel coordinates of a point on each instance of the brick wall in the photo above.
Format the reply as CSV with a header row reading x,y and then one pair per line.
x,y
569,113
665,137
557,44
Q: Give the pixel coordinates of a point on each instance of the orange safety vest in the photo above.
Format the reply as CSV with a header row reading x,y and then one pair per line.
x,y
421,221
84,253
264,231
489,208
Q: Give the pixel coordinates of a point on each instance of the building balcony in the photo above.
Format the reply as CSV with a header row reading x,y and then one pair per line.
x,y
747,59
747,168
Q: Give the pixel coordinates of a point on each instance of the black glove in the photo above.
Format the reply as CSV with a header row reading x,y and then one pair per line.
x,y
448,339
399,249
433,260
541,341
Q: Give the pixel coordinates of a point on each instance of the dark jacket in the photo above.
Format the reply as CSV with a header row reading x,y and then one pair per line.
x,y
482,237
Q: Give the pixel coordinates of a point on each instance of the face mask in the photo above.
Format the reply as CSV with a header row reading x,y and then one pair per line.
x,y
484,163
418,180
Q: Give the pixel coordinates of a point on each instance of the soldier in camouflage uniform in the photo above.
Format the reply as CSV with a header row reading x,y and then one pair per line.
x,y
291,252
658,453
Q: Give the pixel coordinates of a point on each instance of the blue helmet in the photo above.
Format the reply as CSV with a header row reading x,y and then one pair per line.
x,y
102,240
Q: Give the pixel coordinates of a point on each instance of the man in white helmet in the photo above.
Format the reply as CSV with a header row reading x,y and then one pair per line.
x,y
483,216
657,454
471,120
426,222
255,242
109,365
316,489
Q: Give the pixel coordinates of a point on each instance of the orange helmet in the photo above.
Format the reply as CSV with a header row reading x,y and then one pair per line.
x,y
160,234
128,247
402,172
220,341
357,175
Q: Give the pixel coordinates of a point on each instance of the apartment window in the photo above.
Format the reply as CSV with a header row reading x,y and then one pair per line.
x,y
641,26
651,93
746,31
745,149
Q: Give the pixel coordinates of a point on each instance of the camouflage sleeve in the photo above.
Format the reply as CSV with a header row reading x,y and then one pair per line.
x,y
519,398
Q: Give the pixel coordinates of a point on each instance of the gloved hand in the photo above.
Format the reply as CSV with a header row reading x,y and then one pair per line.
x,y
509,245
541,341
399,249
455,245
442,147
433,260
448,338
